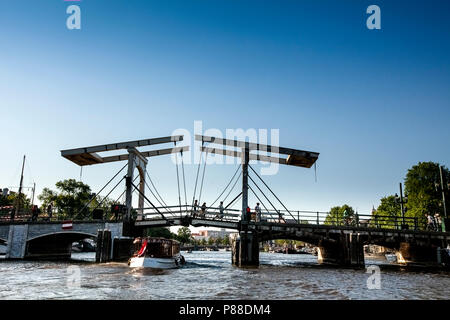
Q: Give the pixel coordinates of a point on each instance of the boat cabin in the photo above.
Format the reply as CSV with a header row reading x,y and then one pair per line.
x,y
156,247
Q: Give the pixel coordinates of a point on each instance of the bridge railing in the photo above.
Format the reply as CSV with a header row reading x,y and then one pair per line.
x,y
22,215
283,216
176,212
234,215
356,220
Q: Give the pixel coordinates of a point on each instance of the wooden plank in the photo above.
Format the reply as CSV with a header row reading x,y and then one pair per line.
x,y
89,156
121,145
257,146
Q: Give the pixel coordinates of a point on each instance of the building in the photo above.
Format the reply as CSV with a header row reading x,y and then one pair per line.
x,y
212,234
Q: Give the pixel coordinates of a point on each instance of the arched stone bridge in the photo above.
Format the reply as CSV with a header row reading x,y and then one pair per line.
x,y
50,239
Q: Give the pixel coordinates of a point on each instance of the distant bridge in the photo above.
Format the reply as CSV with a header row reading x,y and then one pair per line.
x,y
33,240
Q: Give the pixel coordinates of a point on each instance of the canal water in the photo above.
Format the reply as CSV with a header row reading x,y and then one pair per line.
x,y
210,275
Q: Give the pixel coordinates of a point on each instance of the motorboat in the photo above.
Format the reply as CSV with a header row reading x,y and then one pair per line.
x,y
390,257
156,253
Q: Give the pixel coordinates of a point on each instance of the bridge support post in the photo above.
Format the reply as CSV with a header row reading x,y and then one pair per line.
x,y
104,243
17,241
135,160
414,254
347,251
246,250
235,244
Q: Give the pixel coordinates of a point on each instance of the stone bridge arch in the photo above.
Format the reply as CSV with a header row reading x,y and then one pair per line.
x,y
54,245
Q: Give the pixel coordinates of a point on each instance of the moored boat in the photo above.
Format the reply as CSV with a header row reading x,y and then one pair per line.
x,y
156,253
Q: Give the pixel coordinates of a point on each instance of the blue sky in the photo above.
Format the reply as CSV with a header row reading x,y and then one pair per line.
x,y
372,102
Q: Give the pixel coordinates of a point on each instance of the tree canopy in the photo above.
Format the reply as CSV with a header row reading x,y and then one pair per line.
x,y
71,197
339,214
184,235
422,184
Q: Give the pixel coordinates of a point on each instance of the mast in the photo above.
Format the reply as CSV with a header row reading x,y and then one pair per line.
x,y
20,189
32,197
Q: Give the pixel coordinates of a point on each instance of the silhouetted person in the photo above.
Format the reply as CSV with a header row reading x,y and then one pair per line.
x,y
258,212
34,213
438,222
430,222
49,211
195,208
221,210
204,209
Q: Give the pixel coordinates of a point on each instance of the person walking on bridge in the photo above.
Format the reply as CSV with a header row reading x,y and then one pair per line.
x,y
34,213
49,211
258,212
221,209
204,209
195,209
438,222
430,222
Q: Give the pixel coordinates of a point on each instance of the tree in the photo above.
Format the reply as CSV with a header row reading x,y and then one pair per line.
x,y
160,233
423,195
388,213
226,241
70,199
184,235
218,241
338,215
210,241
12,200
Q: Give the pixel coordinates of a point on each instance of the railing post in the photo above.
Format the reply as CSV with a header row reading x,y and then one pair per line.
x,y
415,224
318,218
298,217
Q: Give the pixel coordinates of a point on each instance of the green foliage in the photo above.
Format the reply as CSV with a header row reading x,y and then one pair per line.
x,y
184,235
13,198
282,243
226,241
388,213
70,198
423,196
160,233
339,215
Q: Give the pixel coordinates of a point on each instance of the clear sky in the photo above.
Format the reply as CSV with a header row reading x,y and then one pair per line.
x,y
372,102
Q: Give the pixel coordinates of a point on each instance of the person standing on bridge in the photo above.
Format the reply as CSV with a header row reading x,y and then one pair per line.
x,y
34,213
430,222
49,211
221,209
204,209
195,209
438,220
258,212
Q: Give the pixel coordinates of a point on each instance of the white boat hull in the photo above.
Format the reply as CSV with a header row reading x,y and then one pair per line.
x,y
156,263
